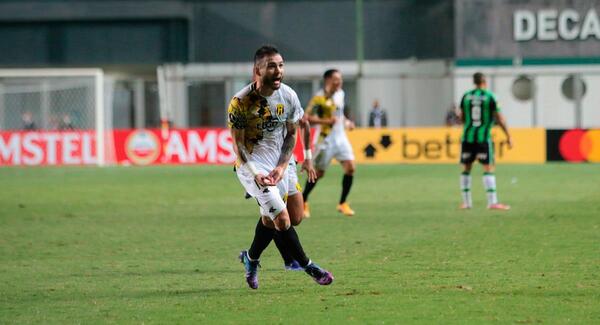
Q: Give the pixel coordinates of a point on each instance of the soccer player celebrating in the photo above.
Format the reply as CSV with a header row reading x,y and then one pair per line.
x,y
479,110
263,118
326,109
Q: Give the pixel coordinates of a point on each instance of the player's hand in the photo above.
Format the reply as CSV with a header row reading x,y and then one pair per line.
x,y
350,125
311,173
263,180
509,142
276,174
332,120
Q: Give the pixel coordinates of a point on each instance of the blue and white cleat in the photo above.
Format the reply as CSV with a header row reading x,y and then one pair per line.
x,y
293,266
251,269
321,276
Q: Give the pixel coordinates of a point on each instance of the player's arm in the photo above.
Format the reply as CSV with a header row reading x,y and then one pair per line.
x,y
460,110
287,148
499,118
307,164
348,122
237,123
502,123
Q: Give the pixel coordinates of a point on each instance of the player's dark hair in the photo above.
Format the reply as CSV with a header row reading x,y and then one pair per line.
x,y
329,73
478,78
265,50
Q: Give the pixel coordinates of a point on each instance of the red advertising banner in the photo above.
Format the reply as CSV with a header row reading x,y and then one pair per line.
x,y
35,148
124,147
187,146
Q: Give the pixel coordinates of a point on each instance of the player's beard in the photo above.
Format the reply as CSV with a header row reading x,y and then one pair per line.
x,y
273,82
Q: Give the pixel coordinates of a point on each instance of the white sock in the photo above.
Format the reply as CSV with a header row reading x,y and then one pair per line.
x,y
489,183
465,188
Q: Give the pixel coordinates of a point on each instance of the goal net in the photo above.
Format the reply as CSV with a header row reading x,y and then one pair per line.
x,y
48,100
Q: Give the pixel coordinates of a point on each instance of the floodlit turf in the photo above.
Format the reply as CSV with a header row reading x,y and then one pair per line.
x,y
159,245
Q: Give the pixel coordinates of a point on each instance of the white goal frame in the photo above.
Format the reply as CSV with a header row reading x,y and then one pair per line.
x,y
96,73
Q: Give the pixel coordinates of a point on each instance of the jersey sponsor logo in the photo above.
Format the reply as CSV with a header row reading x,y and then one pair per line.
x,y
280,110
267,121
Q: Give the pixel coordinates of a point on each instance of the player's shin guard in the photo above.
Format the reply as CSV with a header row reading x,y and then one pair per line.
x,y
291,241
489,183
465,188
262,238
346,185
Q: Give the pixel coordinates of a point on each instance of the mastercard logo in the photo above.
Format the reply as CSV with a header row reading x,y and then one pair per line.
x,y
580,145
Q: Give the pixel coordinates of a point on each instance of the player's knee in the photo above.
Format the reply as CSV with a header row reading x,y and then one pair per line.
x,y
320,173
488,168
467,167
296,220
350,169
267,222
282,221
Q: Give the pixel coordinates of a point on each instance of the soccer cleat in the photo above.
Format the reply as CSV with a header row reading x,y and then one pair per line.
x,y
345,209
306,210
498,206
321,276
293,266
464,206
251,269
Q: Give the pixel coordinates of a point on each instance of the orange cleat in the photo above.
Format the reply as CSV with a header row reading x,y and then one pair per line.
x,y
345,209
306,210
464,206
498,206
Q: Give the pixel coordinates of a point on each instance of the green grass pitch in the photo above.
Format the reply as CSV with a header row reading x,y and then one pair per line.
x,y
159,245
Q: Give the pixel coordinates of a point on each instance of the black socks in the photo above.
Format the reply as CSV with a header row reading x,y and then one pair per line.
x,y
307,189
292,244
346,185
283,250
262,238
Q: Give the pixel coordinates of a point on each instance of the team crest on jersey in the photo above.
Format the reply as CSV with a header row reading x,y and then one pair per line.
x,y
279,109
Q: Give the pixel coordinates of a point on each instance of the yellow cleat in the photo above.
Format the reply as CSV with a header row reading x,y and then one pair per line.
x,y
306,210
345,209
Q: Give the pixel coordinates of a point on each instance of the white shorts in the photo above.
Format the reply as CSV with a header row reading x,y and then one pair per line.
x,y
271,199
293,185
332,147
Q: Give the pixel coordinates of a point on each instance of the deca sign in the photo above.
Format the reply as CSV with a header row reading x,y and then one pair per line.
x,y
552,24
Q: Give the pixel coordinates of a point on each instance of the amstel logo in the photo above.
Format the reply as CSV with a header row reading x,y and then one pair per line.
x,y
580,145
142,147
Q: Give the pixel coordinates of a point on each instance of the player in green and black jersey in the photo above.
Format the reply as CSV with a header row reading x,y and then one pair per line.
x,y
479,111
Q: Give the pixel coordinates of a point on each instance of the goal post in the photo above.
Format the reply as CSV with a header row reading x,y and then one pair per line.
x,y
49,99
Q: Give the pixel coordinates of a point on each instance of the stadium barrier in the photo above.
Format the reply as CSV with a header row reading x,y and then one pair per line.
x,y
441,145
214,146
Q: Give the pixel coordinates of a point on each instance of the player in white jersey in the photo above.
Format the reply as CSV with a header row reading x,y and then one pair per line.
x,y
326,109
263,118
